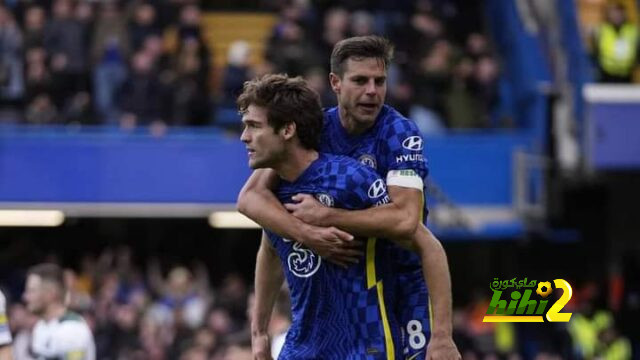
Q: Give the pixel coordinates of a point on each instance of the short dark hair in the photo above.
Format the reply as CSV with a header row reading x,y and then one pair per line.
x,y
360,47
287,100
49,272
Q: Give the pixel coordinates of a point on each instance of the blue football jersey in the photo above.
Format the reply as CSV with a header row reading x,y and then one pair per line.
x,y
337,313
393,143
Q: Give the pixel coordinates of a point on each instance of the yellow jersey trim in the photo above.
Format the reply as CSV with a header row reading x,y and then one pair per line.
x,y
371,283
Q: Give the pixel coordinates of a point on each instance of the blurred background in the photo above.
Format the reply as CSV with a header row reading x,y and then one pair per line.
x,y
120,159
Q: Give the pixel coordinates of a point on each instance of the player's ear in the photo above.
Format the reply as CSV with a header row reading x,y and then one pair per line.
x,y
288,130
335,81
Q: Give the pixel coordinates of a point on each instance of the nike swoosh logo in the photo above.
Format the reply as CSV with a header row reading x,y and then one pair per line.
x,y
414,356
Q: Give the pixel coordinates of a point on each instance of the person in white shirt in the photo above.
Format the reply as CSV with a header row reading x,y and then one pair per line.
x,y
5,332
60,333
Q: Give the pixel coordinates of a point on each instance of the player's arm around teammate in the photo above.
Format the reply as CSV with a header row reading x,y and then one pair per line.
x,y
268,280
386,221
257,202
397,220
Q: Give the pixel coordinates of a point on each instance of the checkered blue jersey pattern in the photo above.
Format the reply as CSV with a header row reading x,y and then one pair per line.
x,y
393,143
336,313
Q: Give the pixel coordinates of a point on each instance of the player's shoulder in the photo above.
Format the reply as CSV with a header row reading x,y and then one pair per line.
x,y
73,323
40,327
3,301
72,327
330,112
391,120
342,165
355,176
329,158
329,115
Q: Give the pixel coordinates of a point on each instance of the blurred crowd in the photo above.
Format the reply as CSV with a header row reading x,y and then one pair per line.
x,y
148,62
109,62
444,75
172,311
152,313
131,63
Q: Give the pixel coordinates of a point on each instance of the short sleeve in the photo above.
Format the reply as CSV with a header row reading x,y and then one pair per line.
x,y
404,146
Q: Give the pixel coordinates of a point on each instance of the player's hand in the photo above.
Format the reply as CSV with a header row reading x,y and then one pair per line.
x,y
308,209
261,347
333,244
442,348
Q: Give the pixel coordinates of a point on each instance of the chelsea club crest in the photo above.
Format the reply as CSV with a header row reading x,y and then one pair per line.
x,y
367,160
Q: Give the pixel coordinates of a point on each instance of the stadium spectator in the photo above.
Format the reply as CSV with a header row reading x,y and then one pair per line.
x,y
616,44
190,100
142,95
614,345
476,46
290,51
11,62
461,107
34,23
204,338
316,77
484,86
183,296
236,72
59,332
430,83
189,25
64,40
110,50
41,110
143,24
417,39
362,23
336,28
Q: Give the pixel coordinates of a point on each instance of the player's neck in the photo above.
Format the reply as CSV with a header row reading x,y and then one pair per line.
x,y
54,311
295,163
350,125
